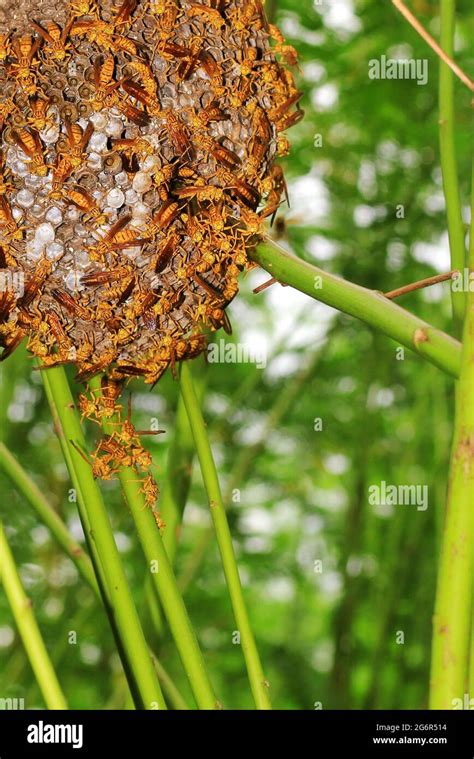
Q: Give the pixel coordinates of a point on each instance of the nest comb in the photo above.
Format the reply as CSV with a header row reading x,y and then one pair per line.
x,y
137,163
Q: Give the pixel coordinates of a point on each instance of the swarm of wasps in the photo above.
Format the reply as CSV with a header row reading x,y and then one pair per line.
x,y
137,167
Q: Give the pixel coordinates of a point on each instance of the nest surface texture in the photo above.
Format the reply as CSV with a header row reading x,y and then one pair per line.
x,y
137,163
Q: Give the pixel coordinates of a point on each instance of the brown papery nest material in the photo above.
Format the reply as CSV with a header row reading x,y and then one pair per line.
x,y
137,165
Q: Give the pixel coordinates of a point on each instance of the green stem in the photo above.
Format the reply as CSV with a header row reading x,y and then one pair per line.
x,y
164,580
244,462
138,665
257,679
48,516
60,532
369,306
452,620
28,628
179,471
448,156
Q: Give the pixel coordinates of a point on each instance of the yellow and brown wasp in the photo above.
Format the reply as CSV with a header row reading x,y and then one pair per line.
x,y
30,143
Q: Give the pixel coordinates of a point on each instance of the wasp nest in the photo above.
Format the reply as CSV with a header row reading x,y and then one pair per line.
x,y
136,168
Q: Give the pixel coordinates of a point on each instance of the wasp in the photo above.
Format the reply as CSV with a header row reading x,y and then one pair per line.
x,y
212,113
288,53
105,95
11,344
251,14
60,335
280,116
57,47
39,118
14,232
149,101
210,15
165,253
222,155
84,8
7,304
145,71
131,147
30,143
162,178
103,467
70,304
238,187
117,238
163,218
7,107
104,34
77,139
61,172
5,186
92,367
151,492
86,204
100,278
178,133
167,13
134,114
25,50
201,192
105,405
32,287
5,47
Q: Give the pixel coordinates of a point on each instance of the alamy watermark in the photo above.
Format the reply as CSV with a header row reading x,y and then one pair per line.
x,y
11,704
12,281
394,68
399,495
236,353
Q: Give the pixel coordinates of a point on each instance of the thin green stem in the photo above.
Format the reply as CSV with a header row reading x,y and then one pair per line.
x,y
139,667
245,460
369,306
453,611
28,628
448,156
164,580
179,470
257,680
48,516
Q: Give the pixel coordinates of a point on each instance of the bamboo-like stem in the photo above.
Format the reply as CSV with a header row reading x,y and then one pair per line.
x,y
257,679
164,580
179,470
169,688
244,461
63,537
28,628
139,667
445,53
448,157
48,516
453,612
369,306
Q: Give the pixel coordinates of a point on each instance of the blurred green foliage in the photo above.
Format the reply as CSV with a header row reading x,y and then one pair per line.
x,y
328,632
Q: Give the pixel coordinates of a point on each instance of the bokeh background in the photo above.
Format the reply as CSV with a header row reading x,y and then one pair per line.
x,y
331,581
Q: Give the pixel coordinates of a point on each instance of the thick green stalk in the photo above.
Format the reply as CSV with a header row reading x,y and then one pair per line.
x,y
28,628
139,666
448,156
257,679
48,516
164,580
453,611
369,306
